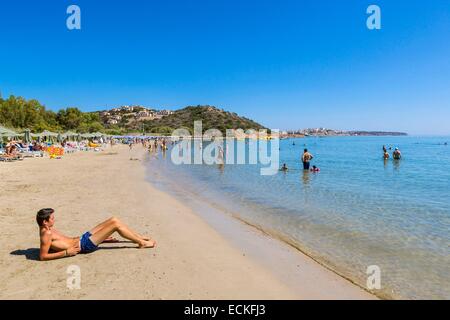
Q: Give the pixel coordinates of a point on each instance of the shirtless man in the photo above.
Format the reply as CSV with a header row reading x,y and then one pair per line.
x,y
55,245
306,158
397,155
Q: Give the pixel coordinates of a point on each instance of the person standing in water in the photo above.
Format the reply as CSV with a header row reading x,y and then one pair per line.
x,y
220,155
306,158
397,155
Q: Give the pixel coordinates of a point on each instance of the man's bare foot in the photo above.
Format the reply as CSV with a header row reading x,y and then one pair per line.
x,y
147,244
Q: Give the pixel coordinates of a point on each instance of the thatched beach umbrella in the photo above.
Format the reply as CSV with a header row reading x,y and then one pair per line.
x,y
86,136
49,135
97,134
69,135
27,136
37,136
4,132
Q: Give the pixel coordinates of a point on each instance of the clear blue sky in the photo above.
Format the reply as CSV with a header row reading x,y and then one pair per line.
x,y
286,64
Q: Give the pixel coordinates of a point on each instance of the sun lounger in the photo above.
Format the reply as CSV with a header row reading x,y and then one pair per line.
x,y
30,154
69,149
5,158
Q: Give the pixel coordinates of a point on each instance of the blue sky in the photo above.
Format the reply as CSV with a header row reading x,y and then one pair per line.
x,y
286,64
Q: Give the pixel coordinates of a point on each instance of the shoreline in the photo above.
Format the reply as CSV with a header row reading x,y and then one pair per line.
x,y
265,248
192,260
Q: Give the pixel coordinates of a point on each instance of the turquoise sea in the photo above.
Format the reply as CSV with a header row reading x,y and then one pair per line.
x,y
358,211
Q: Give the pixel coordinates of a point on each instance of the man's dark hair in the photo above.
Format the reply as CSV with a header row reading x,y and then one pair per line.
x,y
306,150
43,215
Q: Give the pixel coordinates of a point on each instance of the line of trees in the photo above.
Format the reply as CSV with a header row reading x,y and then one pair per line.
x,y
19,113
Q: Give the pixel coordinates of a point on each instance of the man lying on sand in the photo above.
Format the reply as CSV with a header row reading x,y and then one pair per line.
x,y
62,246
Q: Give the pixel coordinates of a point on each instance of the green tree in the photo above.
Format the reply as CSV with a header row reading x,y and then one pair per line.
x,y
70,118
95,126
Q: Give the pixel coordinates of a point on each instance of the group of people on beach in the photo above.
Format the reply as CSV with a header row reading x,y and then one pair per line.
x,y
16,150
151,144
13,150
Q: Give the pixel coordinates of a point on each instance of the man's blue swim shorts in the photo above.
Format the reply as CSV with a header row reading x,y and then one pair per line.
x,y
86,245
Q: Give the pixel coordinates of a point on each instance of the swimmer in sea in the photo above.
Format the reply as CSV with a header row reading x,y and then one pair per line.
x,y
284,168
315,169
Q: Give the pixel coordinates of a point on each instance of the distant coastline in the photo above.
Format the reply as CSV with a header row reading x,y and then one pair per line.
x,y
323,132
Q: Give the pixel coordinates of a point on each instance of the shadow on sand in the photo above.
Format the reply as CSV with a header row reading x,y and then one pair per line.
x,y
30,254
102,247
33,253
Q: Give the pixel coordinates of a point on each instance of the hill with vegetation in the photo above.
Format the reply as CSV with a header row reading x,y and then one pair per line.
x,y
18,113
211,117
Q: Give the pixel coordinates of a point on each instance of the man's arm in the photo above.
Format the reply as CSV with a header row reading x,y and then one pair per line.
x,y
46,242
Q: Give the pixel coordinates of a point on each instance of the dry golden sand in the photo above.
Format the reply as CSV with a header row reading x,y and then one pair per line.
x,y
192,260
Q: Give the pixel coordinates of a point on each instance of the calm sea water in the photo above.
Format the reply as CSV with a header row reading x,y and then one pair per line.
x,y
358,211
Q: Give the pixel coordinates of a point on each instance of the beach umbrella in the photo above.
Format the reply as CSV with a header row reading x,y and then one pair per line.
x,y
97,134
86,135
47,133
70,135
48,136
39,138
27,136
4,132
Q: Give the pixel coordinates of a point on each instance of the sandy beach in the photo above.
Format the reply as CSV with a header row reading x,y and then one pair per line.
x,y
193,260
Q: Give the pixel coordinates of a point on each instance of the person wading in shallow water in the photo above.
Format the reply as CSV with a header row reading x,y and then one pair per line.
x,y
306,158
397,155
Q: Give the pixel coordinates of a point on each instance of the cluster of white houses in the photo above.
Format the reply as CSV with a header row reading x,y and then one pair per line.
x,y
114,116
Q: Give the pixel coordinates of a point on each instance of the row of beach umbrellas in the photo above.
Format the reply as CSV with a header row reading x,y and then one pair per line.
x,y
69,135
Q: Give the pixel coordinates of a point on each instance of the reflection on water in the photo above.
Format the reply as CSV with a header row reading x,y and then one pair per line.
x,y
396,164
305,178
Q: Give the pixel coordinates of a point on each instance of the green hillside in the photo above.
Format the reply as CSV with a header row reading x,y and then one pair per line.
x,y
211,117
